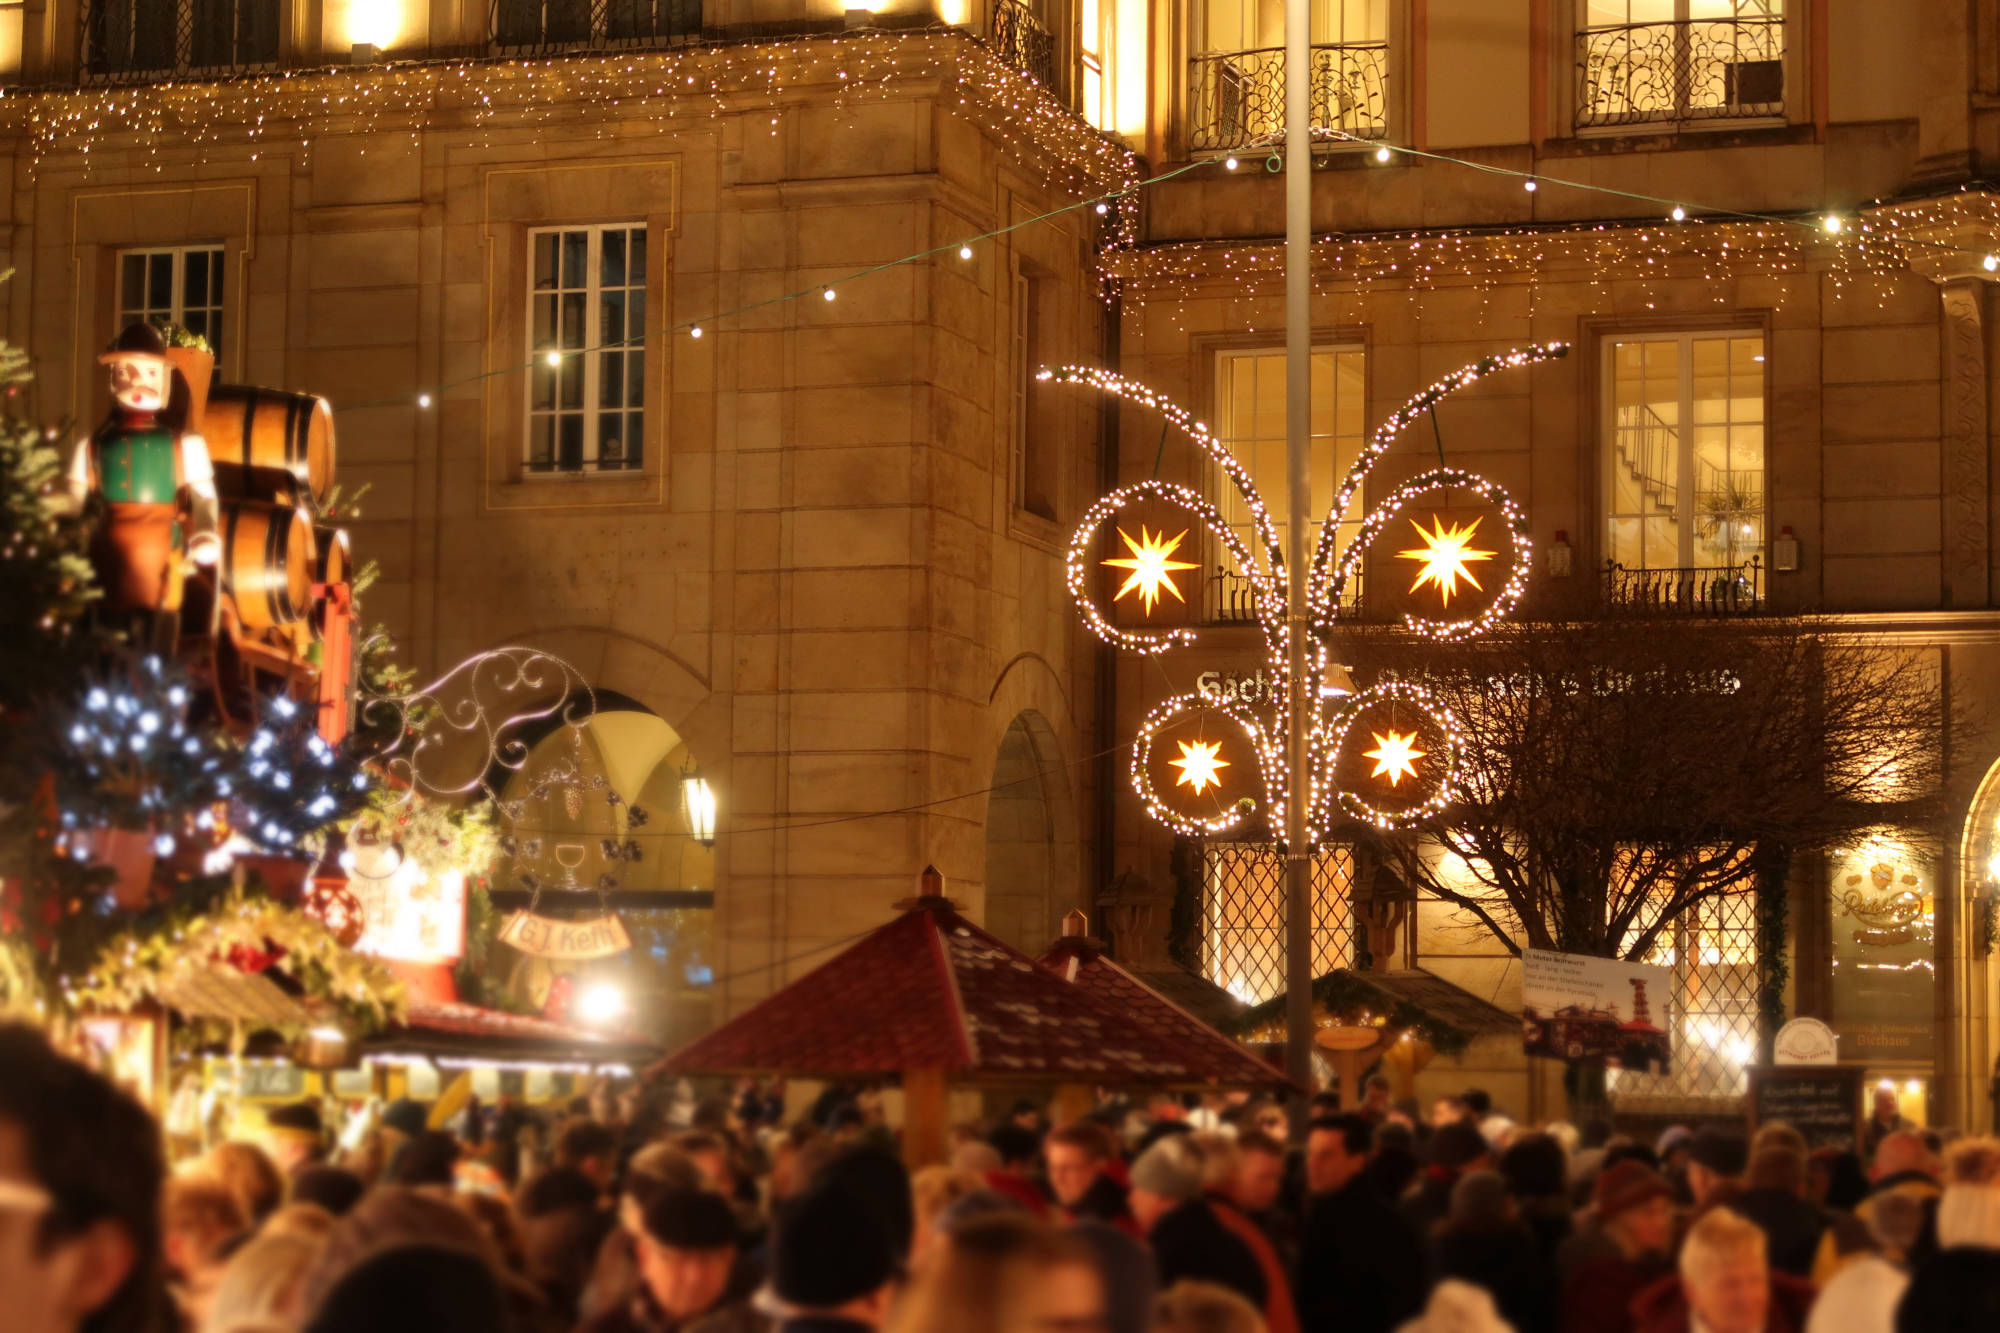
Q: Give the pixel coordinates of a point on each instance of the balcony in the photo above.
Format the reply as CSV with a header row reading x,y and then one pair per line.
x,y
551,27
1680,73
139,41
1727,590
1237,98
1019,38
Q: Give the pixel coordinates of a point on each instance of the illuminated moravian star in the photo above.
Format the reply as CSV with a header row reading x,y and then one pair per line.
x,y
1151,565
1394,754
1198,764
1445,556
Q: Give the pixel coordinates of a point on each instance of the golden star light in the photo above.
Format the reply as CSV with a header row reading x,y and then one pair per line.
x,y
1152,565
1199,765
1445,556
1394,754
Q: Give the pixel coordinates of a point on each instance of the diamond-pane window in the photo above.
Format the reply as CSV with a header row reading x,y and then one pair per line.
x,y
1712,1009
1243,916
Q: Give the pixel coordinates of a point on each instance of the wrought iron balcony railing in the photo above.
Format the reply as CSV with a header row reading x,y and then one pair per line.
x,y
1019,38
1236,98
121,41
529,27
1727,590
1670,73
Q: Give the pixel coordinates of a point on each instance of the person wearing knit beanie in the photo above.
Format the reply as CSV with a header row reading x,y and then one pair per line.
x,y
1958,1288
1635,1214
1188,1239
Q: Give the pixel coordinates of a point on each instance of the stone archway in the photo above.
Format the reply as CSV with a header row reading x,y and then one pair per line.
x,y
1031,844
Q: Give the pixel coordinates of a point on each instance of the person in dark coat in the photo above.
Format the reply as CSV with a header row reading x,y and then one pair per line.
x,y
1455,1149
1776,1201
1957,1290
833,1263
1361,1265
686,1256
1537,1173
1626,1254
1483,1243
1187,1238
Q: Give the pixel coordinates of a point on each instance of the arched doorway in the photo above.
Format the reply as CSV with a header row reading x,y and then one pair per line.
x,y
1031,853
622,838
1971,979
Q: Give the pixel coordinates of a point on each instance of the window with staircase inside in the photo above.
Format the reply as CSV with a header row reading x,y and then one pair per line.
x,y
1684,475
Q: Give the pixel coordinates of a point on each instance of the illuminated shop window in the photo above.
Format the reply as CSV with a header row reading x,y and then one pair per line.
x,y
1882,894
1711,1011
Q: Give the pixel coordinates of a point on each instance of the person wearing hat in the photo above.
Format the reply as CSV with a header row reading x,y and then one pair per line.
x,y
1628,1253
295,1136
1187,1238
834,1264
686,1255
1672,1149
1716,1158
155,478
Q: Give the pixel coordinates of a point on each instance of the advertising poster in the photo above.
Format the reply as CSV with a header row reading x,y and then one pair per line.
x,y
1586,1010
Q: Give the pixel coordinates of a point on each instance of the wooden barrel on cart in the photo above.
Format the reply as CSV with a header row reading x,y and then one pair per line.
x,y
333,562
268,562
269,445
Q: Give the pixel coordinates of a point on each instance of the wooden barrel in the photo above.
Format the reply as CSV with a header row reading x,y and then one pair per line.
x,y
269,445
334,560
333,563
267,562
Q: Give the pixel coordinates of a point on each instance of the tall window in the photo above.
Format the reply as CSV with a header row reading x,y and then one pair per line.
x,y
151,37
12,29
1711,1012
1236,78
1095,101
181,284
1250,422
1684,467
1037,422
587,333
1666,61
1243,916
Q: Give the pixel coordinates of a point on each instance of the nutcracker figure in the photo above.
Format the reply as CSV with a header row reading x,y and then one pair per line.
x,y
154,474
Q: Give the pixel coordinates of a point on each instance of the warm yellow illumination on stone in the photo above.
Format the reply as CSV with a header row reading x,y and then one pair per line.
x,y
1445,556
1151,565
1199,765
1395,755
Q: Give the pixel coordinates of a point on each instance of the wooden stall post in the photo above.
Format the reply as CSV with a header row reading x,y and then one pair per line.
x,y
926,1116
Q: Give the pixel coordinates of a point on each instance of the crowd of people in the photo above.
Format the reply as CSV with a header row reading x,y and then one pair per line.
x,y
645,1212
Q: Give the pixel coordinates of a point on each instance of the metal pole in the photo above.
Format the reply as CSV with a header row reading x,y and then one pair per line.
x,y
1298,443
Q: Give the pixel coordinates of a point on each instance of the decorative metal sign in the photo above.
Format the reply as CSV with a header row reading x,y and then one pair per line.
x,y
1448,550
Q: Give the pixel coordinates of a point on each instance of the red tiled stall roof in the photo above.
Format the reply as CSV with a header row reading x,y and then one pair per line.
x,y
469,1032
1226,1061
930,990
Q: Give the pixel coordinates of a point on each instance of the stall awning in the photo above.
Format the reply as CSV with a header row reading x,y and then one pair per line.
x,y
465,1034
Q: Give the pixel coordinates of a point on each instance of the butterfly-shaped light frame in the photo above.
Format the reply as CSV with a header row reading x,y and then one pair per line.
x,y
1329,576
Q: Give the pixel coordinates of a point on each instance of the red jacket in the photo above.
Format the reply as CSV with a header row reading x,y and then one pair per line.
x,y
1663,1307
1280,1316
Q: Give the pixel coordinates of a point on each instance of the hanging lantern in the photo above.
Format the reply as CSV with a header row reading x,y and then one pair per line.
x,y
699,798
331,903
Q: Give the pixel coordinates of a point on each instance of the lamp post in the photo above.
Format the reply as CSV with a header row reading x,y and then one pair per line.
x,y
1298,435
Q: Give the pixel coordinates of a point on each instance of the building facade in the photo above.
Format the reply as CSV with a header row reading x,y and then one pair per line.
x,y
816,551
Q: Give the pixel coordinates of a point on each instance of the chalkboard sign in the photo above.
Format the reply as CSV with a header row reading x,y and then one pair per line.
x,y
1822,1102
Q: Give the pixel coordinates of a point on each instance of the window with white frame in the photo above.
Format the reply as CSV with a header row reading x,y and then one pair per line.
x,y
1250,423
179,284
587,336
1683,468
1654,62
1236,74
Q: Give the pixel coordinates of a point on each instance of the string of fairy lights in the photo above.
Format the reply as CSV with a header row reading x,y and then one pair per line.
x,y
155,126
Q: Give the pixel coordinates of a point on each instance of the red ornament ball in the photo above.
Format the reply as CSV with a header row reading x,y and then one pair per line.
x,y
333,905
